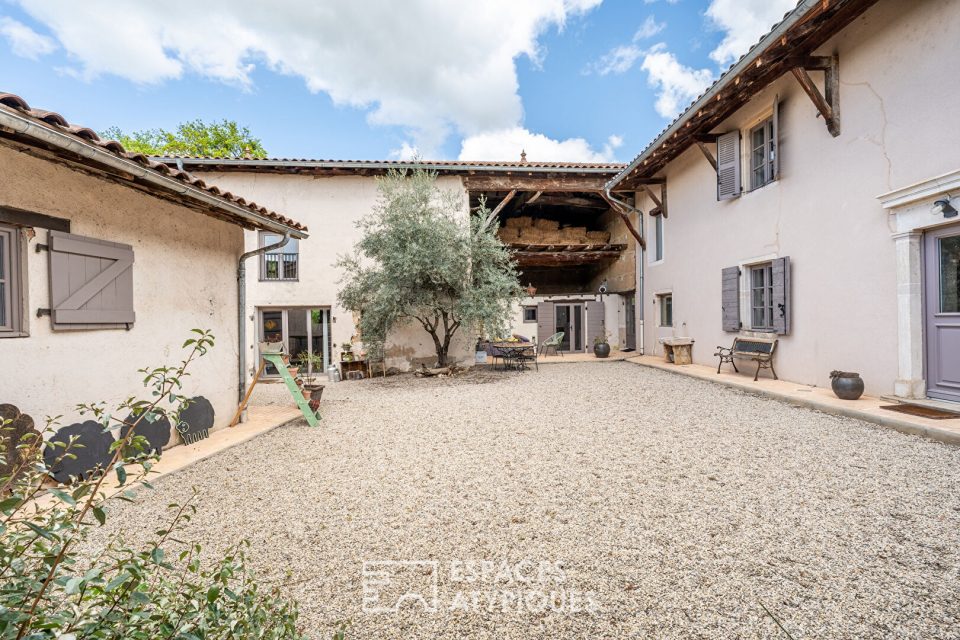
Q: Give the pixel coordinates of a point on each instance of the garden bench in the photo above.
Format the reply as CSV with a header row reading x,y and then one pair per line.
x,y
760,350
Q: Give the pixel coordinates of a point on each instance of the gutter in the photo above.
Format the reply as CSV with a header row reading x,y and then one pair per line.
x,y
641,254
26,126
373,164
748,59
242,309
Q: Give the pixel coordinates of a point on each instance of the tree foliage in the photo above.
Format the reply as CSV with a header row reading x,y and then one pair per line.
x,y
420,259
50,590
224,139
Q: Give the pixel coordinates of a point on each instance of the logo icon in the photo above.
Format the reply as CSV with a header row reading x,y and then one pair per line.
x,y
390,584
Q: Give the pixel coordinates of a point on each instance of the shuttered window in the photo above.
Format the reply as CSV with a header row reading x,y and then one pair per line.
x,y
91,282
730,299
11,287
728,165
762,153
770,296
546,324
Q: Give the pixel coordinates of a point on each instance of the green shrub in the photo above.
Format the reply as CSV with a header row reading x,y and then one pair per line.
x,y
49,590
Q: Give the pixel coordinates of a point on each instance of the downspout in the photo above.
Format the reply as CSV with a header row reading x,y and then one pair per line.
x,y
621,206
242,308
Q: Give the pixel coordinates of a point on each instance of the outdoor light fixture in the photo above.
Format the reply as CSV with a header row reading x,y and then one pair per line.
x,y
942,207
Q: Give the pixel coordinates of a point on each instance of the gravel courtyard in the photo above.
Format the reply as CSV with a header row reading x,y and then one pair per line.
x,y
630,502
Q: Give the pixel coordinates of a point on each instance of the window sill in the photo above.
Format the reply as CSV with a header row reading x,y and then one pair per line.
x,y
279,280
14,334
656,263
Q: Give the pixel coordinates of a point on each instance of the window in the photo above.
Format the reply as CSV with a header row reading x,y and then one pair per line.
x,y
666,309
281,263
530,314
762,154
761,297
11,289
658,238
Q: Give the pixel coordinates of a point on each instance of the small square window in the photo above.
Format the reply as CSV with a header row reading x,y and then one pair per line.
x,y
282,263
666,309
530,314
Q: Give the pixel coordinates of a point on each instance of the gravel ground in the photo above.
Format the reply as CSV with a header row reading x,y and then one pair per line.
x,y
630,503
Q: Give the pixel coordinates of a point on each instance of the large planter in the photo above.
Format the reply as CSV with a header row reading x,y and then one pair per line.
x,y
315,392
601,350
847,385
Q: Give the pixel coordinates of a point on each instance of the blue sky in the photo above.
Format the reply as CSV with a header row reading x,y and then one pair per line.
x,y
565,79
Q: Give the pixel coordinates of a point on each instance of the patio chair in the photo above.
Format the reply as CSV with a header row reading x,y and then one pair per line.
x,y
494,353
527,356
555,341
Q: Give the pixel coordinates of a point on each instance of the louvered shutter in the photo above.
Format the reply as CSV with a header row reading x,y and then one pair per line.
x,y
91,282
545,321
781,295
730,299
775,137
728,165
595,321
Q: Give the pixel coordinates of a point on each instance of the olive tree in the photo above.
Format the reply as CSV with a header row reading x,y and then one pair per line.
x,y
422,259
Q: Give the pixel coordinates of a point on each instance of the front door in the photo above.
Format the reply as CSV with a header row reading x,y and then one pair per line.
x,y
942,295
570,321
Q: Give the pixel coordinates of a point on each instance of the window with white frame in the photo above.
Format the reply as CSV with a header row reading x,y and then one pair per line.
x,y
658,238
666,309
281,263
762,154
761,297
530,313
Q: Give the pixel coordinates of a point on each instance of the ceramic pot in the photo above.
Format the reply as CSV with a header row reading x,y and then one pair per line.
x,y
601,350
847,385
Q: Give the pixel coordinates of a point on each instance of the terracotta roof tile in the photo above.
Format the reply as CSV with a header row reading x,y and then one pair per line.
x,y
87,135
493,164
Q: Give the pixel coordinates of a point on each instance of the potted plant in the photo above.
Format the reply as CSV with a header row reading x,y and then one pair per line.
x,y
601,346
847,385
314,364
346,352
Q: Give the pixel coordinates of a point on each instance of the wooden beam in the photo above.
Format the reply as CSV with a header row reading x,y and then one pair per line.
x,y
24,218
535,197
828,105
572,201
656,200
626,220
562,258
589,183
707,154
496,211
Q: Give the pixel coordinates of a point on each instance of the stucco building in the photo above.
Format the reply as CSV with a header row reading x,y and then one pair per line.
x,y
810,200
294,299
107,261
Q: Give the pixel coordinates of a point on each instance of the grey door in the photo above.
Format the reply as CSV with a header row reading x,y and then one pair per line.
x,y
630,320
942,296
569,319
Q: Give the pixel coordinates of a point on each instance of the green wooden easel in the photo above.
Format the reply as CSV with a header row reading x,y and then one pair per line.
x,y
294,385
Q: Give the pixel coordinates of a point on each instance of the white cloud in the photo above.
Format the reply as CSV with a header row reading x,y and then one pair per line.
x,y
649,28
676,84
621,58
507,145
743,22
430,66
24,41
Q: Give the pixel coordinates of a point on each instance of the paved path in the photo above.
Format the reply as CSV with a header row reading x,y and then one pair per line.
x,y
669,506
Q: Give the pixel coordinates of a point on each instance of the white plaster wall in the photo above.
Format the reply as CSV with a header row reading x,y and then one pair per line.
x,y
184,277
614,317
896,62
330,207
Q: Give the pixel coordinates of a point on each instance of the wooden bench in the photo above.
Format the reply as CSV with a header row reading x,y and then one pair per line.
x,y
760,350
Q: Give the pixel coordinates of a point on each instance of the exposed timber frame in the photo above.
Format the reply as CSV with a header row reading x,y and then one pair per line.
x,y
828,102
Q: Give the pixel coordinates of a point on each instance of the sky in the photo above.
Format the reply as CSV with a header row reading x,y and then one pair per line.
x,y
564,80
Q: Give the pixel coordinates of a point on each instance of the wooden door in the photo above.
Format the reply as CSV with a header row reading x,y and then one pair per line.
x,y
942,302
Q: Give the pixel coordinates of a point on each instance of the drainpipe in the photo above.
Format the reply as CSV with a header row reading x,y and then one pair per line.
x,y
242,308
620,205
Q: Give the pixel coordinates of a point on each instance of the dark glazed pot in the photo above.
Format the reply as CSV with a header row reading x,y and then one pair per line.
x,y
848,385
601,350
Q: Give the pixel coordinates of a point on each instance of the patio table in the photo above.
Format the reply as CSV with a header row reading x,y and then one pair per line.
x,y
513,351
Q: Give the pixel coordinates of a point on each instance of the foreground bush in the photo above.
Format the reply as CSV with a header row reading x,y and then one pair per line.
x,y
48,590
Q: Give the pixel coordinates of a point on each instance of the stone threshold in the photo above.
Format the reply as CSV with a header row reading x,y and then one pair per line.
x,y
867,408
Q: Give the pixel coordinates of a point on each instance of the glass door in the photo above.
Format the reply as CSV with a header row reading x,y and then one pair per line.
x,y
305,334
569,319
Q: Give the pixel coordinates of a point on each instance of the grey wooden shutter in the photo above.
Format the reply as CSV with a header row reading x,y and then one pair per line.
x,y
91,282
775,137
728,165
595,321
730,299
781,295
545,321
